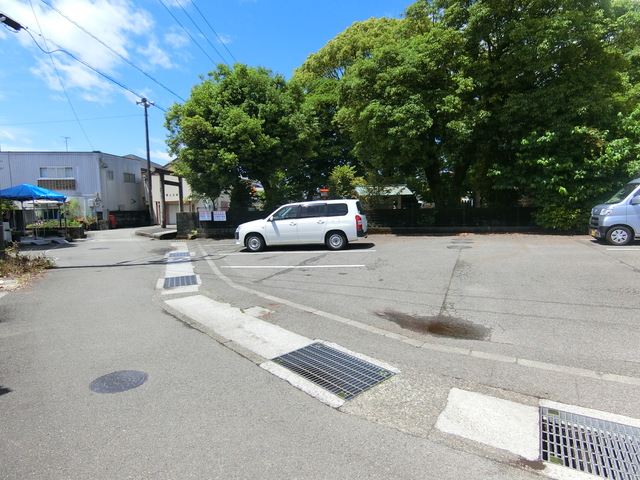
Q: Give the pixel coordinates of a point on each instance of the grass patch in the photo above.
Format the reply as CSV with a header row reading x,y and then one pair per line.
x,y
20,267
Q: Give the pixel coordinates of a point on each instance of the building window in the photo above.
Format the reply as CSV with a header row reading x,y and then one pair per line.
x,y
58,184
109,174
56,172
129,178
57,178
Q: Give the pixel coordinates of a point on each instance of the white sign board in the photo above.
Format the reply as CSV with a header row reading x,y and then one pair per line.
x,y
219,216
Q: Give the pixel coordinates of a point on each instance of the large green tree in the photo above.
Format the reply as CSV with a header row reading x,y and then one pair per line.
x,y
320,76
506,98
550,75
240,123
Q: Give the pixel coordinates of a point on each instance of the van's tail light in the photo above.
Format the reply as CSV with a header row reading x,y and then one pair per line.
x,y
358,222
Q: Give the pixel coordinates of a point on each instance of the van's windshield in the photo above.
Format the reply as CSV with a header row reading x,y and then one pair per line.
x,y
623,193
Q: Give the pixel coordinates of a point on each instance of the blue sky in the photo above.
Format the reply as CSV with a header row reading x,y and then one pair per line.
x,y
152,48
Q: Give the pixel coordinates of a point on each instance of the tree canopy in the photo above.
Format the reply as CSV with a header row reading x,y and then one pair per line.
x,y
239,123
504,100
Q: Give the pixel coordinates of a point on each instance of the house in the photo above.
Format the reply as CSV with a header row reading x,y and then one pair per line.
x,y
103,184
390,196
177,195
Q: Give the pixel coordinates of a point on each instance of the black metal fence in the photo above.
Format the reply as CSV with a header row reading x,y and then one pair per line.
x,y
409,220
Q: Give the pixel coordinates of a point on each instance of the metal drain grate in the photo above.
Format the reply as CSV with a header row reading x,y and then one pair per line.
x,y
180,281
607,449
340,373
180,254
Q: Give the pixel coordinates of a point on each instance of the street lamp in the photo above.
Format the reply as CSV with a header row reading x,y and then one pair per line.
x,y
146,103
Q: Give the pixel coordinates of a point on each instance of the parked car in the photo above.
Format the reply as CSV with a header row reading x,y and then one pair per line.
x,y
332,222
618,219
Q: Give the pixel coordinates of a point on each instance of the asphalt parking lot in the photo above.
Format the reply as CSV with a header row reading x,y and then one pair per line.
x,y
567,296
567,303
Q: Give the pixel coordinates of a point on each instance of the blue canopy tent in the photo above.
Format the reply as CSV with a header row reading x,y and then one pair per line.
x,y
26,192
30,193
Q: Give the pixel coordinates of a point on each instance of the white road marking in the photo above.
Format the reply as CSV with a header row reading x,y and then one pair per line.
x,y
623,249
289,267
253,254
430,345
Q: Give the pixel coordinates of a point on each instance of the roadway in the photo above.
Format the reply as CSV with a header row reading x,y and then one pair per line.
x,y
479,330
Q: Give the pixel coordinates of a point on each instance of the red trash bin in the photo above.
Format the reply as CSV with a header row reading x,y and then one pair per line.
x,y
112,221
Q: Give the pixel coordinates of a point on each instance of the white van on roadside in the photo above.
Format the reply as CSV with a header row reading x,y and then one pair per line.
x,y
332,222
618,219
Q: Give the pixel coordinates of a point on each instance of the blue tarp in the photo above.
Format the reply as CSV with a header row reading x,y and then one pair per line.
x,y
26,192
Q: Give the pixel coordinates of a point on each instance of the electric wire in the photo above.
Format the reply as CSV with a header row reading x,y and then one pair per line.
x,y
76,58
65,121
112,50
201,32
53,64
214,32
188,33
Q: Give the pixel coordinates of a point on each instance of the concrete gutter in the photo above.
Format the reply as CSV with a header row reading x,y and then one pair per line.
x,y
158,232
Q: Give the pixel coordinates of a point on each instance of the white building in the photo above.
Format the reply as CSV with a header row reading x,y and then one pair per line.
x,y
100,182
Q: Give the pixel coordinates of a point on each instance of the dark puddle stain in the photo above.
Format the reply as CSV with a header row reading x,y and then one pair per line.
x,y
440,325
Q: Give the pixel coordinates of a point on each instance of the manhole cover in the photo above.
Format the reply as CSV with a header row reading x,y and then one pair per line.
x,y
118,381
180,281
602,448
340,373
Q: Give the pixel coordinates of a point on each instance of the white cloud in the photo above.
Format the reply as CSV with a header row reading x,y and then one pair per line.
x,y
224,39
6,134
159,156
154,55
120,24
176,40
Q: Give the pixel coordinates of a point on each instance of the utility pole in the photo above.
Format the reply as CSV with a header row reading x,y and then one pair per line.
x,y
66,142
146,103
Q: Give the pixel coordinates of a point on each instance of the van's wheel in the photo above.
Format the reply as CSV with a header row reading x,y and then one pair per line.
x,y
254,242
619,236
336,241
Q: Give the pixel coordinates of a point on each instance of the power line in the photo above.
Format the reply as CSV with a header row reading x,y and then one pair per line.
x,y
214,32
201,32
187,32
108,77
113,51
53,64
65,121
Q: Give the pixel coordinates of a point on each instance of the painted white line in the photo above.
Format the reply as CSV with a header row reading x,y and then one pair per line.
x,y
289,267
493,421
299,252
608,377
623,249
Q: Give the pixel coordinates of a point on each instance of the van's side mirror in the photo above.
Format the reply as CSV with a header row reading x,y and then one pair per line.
x,y
635,200
270,218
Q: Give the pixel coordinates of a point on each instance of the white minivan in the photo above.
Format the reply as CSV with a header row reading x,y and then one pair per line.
x,y
618,219
332,222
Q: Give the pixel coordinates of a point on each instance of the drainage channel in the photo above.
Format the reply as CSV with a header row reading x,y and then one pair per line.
x,y
338,372
599,447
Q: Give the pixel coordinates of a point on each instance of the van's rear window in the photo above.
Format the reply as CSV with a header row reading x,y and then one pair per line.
x,y
337,209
